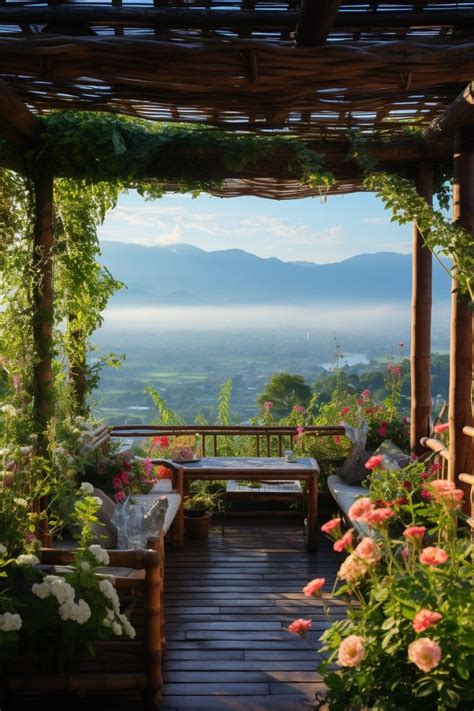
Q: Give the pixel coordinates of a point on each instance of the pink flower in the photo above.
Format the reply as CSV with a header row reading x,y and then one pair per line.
x,y
405,552
333,525
117,482
120,496
424,653
148,466
352,568
267,405
378,517
125,478
414,533
298,408
425,475
313,588
351,651
374,462
300,430
368,550
425,495
441,428
433,556
382,431
345,411
360,508
300,627
365,394
445,491
343,543
435,467
360,402
424,619
161,442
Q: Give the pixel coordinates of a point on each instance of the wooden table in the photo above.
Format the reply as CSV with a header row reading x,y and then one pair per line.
x,y
263,469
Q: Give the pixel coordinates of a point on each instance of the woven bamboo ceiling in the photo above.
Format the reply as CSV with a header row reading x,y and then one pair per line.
x,y
314,68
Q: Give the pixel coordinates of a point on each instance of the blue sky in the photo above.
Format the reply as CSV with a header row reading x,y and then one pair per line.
x,y
312,229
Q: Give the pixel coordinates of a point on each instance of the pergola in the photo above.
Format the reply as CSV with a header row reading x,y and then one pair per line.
x,y
316,69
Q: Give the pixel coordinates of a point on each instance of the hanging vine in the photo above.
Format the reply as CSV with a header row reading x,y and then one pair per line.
x,y
443,237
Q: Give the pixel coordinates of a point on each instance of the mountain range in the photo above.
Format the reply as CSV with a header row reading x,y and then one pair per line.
x,y
180,274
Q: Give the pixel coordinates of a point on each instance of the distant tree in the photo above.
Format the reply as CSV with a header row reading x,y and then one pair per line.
x,y
284,391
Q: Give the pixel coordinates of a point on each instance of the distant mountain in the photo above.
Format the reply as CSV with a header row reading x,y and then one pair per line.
x,y
185,275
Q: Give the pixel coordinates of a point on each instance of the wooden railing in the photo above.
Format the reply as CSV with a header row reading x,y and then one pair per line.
x,y
270,440
435,445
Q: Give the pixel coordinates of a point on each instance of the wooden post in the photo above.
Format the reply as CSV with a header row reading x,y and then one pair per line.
x,y
420,359
43,301
461,358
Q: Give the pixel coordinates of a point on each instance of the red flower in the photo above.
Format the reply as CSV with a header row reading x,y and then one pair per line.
x,y
345,411
369,410
374,462
407,485
441,428
365,394
361,402
161,442
337,439
120,496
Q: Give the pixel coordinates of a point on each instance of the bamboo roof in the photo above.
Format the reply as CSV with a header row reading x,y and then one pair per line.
x,y
314,68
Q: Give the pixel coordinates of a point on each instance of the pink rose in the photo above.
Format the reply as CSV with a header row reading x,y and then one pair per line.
x,y
374,462
368,550
300,627
441,428
343,543
425,653
299,408
378,517
414,533
313,588
424,619
334,525
433,556
352,569
351,651
360,508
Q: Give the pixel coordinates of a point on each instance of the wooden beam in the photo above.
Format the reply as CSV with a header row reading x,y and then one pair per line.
x,y
67,15
316,21
442,130
461,357
421,322
17,118
42,263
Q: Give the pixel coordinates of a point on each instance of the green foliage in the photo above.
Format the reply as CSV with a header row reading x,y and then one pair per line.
x,y
443,237
166,416
284,391
223,403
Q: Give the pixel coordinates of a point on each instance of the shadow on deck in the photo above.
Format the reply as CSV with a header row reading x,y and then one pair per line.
x,y
229,601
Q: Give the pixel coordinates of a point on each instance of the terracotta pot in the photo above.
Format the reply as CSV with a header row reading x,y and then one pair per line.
x,y
197,524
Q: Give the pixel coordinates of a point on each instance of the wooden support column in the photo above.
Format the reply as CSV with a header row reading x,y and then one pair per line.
x,y
420,359
461,357
43,300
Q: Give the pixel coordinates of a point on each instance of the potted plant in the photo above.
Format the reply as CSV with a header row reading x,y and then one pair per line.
x,y
198,508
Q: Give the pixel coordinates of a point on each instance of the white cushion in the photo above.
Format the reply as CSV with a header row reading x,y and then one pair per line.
x,y
163,486
174,502
345,495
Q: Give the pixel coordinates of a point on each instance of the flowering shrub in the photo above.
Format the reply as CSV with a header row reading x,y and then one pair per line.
x,y
407,641
54,614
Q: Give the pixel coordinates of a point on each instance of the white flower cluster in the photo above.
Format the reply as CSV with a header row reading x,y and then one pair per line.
x,y
10,622
3,550
86,488
8,410
21,502
100,554
27,559
55,586
122,624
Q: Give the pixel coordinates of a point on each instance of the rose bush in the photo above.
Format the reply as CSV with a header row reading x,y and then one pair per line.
x,y
407,641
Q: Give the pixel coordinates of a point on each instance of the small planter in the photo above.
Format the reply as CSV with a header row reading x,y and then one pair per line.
x,y
197,523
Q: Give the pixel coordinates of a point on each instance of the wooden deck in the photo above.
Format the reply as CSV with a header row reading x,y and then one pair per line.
x,y
228,603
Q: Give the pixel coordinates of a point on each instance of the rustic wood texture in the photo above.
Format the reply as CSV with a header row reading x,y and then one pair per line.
x,y
461,456
229,601
420,360
315,22
42,267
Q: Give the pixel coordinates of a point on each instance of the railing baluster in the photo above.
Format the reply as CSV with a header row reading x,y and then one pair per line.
x,y
269,445
215,444
280,445
258,445
203,445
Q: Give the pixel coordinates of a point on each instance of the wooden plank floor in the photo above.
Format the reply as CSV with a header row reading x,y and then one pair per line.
x,y
229,601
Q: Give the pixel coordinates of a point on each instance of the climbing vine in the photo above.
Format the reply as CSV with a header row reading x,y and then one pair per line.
x,y
443,237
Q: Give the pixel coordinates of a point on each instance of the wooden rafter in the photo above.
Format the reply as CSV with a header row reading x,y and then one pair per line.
x,y
17,123
459,113
316,21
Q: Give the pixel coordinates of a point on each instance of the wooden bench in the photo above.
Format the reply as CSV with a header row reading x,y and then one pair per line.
x,y
174,520
121,668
